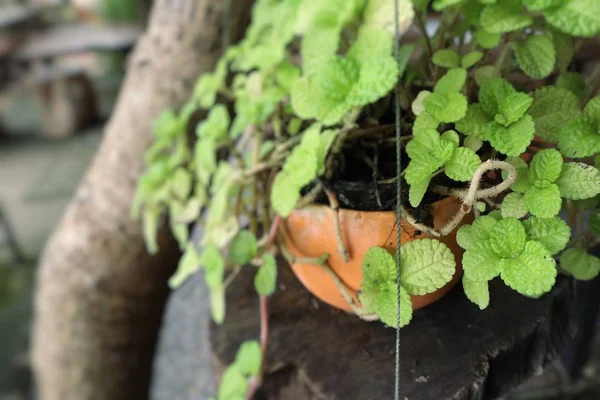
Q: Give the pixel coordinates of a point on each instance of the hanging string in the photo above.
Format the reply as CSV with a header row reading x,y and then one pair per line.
x,y
398,200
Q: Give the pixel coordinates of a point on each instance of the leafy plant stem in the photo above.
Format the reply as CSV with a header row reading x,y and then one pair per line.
x,y
264,317
335,207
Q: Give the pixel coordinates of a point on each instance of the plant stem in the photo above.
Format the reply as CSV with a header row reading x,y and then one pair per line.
x,y
335,206
503,55
421,26
264,318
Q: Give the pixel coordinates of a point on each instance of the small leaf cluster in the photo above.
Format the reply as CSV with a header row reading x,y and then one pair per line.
x,y
235,379
426,265
520,253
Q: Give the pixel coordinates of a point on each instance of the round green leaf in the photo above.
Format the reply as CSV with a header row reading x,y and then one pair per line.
x,y
552,233
543,203
513,205
536,56
579,263
507,238
265,279
579,181
545,167
249,358
481,262
533,273
243,248
427,265
446,58
477,291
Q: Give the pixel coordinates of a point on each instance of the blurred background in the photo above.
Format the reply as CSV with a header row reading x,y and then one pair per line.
x,y
61,66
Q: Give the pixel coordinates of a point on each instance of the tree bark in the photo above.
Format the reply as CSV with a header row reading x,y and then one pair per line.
x,y
100,296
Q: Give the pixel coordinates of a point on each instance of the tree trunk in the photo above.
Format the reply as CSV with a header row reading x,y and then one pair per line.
x,y
100,296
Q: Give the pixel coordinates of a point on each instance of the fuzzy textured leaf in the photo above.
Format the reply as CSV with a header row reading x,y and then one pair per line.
x,y
552,233
533,273
427,265
512,108
536,56
377,78
576,17
477,291
486,39
265,279
474,122
513,205
446,107
446,58
386,306
378,266
481,262
243,248
462,165
577,139
578,181
471,59
469,235
512,141
452,81
505,16
507,238
552,108
545,167
492,93
579,263
543,203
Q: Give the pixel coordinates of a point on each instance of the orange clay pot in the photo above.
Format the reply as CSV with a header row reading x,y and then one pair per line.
x,y
309,233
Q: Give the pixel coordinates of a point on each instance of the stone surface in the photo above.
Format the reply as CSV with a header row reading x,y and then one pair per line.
x,y
182,368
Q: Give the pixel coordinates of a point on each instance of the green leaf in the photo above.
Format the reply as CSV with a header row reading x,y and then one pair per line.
x,y
302,99
543,203
487,40
523,182
214,266
378,267
417,106
552,233
507,238
565,50
417,191
265,279
243,248
233,383
536,56
594,222
336,77
469,235
452,81
579,263
377,78
427,265
515,139
371,42
578,181
168,125
216,124
485,73
473,143
471,59
439,5
474,122
150,217
462,165
513,206
206,159
492,93
181,184
574,82
481,262
446,107
249,358
552,108
189,263
381,13
452,137
317,46
512,108
540,5
217,304
533,273
576,17
386,304
545,167
505,16
477,291
446,58
592,112
577,139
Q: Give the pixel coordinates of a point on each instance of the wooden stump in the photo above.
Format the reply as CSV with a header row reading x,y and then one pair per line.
x,y
451,350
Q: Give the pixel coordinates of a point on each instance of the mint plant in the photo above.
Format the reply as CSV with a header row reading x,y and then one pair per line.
x,y
494,113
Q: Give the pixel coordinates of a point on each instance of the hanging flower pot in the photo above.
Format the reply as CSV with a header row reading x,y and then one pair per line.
x,y
310,232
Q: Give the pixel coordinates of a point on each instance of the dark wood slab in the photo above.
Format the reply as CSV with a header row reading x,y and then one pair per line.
x,y
451,350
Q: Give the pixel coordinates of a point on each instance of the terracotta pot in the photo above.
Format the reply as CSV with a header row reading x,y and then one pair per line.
x,y
309,232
